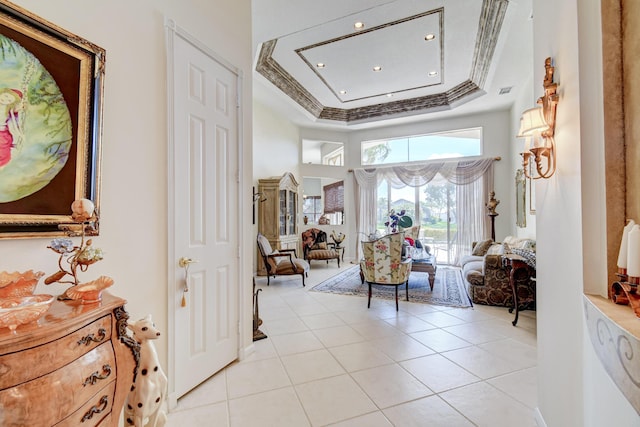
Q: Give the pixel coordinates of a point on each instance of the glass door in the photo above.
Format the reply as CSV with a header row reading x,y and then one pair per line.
x,y
433,206
282,213
438,219
291,212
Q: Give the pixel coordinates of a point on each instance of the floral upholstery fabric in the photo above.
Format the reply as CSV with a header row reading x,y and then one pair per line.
x,y
412,232
488,282
383,263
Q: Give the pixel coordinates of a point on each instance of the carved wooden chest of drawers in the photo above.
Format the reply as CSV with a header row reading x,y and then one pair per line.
x,y
74,367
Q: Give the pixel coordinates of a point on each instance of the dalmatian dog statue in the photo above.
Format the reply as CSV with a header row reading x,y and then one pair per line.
x,y
144,405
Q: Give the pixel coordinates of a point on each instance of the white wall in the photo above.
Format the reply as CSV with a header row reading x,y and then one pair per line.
x,y
526,99
134,164
573,389
276,145
276,150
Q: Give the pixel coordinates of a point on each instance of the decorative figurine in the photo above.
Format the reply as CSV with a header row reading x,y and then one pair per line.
x,y
492,204
337,238
78,257
398,221
146,398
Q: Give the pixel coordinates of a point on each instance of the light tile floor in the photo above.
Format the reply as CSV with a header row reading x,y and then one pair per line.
x,y
328,360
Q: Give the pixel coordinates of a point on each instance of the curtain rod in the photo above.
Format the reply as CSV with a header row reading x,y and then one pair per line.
x,y
497,158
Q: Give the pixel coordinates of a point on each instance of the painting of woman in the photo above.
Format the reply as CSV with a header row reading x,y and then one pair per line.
x,y
9,103
35,124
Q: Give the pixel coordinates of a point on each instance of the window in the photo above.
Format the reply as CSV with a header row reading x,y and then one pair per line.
x,y
333,203
312,208
334,158
322,152
458,143
432,206
334,197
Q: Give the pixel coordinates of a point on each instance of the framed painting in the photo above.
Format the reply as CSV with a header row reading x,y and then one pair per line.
x,y
51,84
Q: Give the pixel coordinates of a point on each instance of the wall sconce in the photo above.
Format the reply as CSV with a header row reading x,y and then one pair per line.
x,y
538,124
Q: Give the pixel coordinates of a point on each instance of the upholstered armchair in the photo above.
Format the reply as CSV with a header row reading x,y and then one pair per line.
x,y
383,264
315,246
281,263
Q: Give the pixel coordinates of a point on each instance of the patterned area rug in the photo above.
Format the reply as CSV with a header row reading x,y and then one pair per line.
x,y
448,288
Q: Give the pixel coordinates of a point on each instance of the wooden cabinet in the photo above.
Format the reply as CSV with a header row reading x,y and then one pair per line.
x,y
73,367
278,218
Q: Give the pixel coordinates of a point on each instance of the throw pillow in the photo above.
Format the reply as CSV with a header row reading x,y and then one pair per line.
x,y
481,248
506,249
321,245
495,249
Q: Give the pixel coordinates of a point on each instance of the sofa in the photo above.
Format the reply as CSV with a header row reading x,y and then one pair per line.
x,y
488,281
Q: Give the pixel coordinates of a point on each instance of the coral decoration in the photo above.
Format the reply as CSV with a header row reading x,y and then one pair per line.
x,y
74,259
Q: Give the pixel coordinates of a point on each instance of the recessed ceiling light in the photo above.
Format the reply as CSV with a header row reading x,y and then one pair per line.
x,y
320,65
433,73
358,25
429,37
377,68
342,92
389,95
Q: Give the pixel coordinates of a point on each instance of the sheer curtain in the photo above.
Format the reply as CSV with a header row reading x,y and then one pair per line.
x,y
473,180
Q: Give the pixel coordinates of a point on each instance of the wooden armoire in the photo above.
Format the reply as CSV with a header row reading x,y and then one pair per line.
x,y
278,214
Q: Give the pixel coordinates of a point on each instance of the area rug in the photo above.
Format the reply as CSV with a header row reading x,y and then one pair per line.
x,y
448,288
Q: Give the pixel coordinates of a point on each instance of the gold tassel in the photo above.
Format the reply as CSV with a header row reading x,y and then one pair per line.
x,y
184,301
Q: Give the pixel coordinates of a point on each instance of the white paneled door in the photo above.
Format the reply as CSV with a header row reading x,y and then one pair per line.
x,y
204,243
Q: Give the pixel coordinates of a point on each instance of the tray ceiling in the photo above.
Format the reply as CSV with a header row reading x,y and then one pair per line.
x,y
434,55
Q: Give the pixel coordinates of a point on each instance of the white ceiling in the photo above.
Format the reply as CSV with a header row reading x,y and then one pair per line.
x,y
481,46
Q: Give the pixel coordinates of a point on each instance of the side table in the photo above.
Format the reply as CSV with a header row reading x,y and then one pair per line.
x,y
339,249
514,264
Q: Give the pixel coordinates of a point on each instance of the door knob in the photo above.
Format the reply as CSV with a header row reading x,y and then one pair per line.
x,y
184,261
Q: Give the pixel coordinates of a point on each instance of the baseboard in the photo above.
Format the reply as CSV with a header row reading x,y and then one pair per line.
x,y
172,401
538,417
247,351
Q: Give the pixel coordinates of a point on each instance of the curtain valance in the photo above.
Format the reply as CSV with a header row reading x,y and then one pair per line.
x,y
459,172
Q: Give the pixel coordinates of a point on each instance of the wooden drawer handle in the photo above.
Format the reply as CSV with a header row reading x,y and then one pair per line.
x,y
102,334
104,401
93,378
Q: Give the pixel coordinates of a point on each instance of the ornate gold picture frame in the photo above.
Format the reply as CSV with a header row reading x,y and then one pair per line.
x,y
51,87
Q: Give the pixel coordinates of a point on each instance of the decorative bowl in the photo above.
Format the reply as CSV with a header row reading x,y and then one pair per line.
x,y
91,291
17,311
18,284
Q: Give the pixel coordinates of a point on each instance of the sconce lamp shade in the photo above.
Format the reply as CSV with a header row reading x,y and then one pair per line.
x,y
539,124
532,121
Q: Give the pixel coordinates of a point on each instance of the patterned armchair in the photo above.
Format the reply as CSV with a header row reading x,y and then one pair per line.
x,y
315,246
383,264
